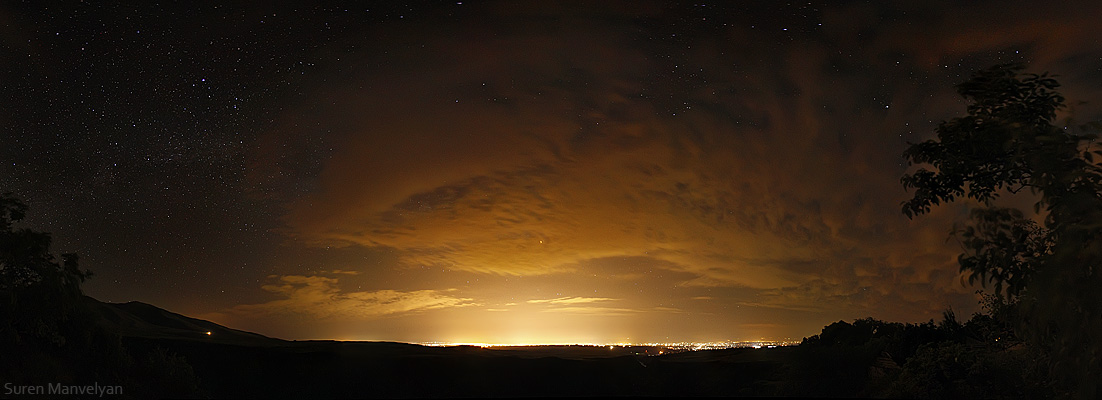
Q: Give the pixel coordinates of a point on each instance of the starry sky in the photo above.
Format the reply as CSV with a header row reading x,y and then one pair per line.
x,y
509,172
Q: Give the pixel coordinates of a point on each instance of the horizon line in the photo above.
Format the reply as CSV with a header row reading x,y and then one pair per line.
x,y
684,344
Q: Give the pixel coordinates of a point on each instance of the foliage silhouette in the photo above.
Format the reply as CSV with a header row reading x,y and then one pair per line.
x,y
1002,247
49,334
38,291
1008,141
946,359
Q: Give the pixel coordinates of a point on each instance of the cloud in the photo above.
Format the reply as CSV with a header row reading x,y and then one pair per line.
x,y
508,168
320,297
1050,34
585,306
667,309
607,311
570,300
579,305
767,176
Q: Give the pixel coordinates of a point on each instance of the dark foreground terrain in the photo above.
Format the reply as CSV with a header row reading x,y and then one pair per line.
x,y
231,363
149,352
336,369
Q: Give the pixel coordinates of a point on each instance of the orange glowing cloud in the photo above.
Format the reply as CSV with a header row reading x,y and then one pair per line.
x,y
570,300
320,297
504,163
536,177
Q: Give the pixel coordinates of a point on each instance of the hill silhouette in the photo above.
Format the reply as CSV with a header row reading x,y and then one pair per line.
x,y
866,358
234,363
140,320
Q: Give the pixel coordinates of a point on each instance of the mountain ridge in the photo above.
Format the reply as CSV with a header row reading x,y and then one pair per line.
x,y
142,320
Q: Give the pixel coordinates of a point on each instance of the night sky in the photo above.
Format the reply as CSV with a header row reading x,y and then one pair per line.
x,y
518,172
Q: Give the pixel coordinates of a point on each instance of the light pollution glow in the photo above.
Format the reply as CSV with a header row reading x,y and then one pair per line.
x,y
532,187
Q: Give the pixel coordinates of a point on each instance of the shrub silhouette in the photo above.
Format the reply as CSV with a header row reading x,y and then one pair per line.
x,y
1008,141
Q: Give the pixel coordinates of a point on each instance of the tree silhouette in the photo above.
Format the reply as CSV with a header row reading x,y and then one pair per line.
x,y
37,291
1008,141
1004,248
49,330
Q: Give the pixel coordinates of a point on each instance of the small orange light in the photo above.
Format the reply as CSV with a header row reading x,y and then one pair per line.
x,y
208,333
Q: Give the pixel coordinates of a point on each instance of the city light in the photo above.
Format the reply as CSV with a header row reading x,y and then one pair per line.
x,y
666,347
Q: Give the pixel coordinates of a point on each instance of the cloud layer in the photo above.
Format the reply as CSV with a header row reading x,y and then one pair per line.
x,y
321,298
754,168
